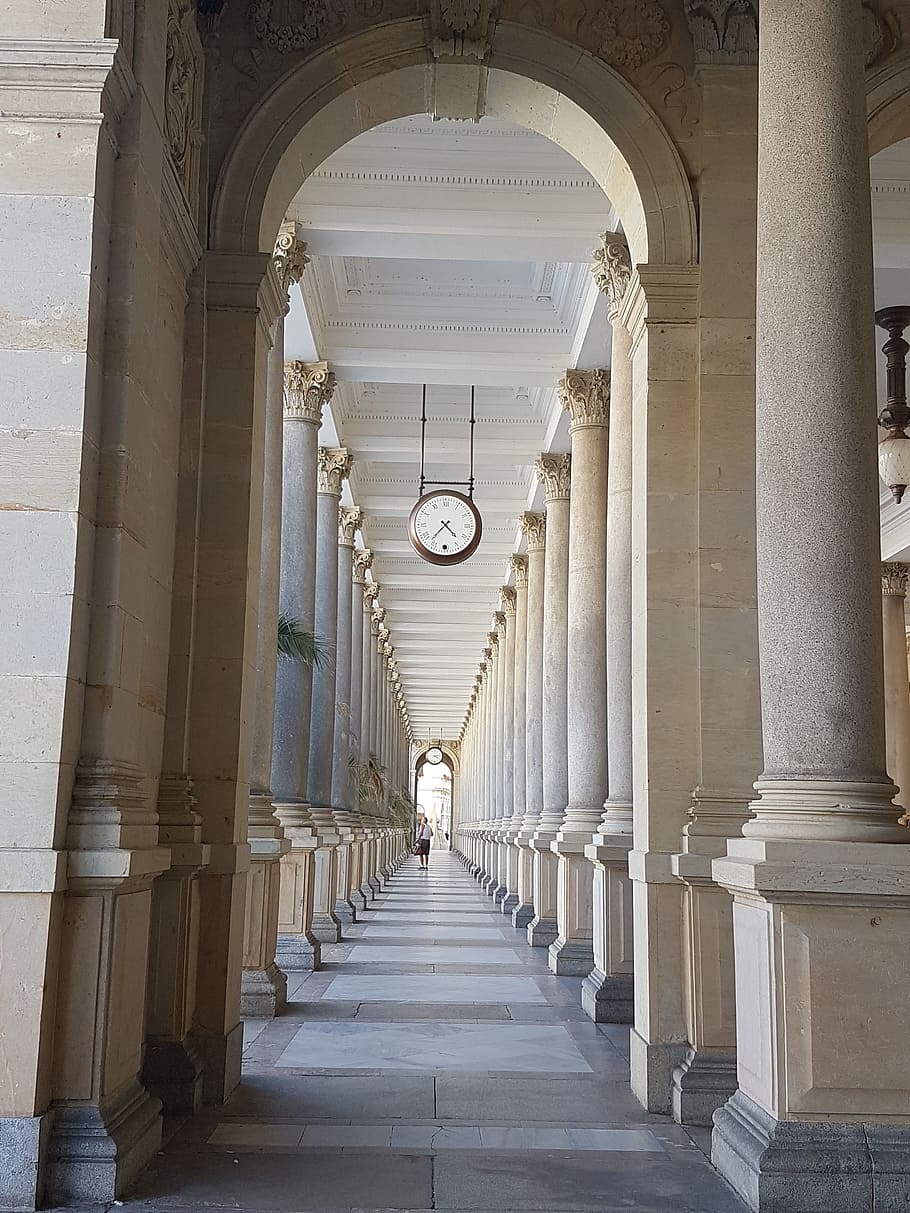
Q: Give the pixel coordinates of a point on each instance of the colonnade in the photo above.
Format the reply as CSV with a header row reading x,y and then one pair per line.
x,y
331,729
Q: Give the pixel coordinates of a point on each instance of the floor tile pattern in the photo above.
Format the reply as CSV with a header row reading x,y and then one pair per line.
x,y
433,1063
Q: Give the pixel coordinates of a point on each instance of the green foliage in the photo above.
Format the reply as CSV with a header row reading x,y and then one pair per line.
x,y
296,644
401,809
369,779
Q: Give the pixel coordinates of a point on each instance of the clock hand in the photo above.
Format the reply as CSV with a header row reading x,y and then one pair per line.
x,y
439,532
449,529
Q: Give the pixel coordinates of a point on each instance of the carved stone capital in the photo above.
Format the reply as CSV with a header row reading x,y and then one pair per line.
x,y
534,529
508,599
333,469
555,474
462,29
612,269
493,639
363,560
388,650
723,31
894,579
519,566
350,520
308,387
378,616
289,256
488,653
384,633
585,395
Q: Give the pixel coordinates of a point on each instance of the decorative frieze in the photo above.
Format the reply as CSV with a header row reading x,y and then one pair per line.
x,y
612,269
631,32
555,474
724,31
534,529
350,520
462,29
333,469
585,395
519,565
894,579
508,599
308,387
363,560
183,97
289,256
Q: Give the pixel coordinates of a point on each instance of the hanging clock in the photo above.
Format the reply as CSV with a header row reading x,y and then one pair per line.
x,y
445,527
434,756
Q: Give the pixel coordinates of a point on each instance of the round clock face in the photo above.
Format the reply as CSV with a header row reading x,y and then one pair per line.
x,y
434,756
444,527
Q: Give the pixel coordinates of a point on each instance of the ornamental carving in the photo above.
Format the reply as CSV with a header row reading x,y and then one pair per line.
x,y
507,599
350,520
183,96
462,29
894,579
371,593
724,31
363,560
520,565
289,257
384,633
308,387
534,529
612,268
333,469
377,618
585,395
499,619
492,641
631,32
881,33
294,25
555,474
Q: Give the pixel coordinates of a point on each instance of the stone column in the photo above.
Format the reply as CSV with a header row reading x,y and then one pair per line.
x,y
490,880
498,890
308,388
360,631
554,472
897,691
606,993
534,529
263,989
821,918
508,601
586,397
522,859
349,520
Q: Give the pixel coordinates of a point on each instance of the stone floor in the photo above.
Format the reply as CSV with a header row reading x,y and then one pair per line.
x,y
433,1063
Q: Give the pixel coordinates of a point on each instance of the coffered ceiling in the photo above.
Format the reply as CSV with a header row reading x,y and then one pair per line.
x,y
452,255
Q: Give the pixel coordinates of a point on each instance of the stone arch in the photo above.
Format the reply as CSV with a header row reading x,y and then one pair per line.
x,y
534,79
449,753
888,104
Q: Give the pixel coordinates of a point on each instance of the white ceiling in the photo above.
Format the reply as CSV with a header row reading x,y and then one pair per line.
x,y
449,254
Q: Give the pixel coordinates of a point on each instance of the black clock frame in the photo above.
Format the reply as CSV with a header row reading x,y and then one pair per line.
x,y
434,557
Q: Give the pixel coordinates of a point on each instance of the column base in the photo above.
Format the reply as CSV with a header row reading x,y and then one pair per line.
x,y
297,953
173,1073
608,999
522,916
702,1083
542,932
23,1148
359,898
367,892
221,1058
816,1167
345,912
651,1071
96,1152
326,928
263,992
498,894
571,957
375,884
508,903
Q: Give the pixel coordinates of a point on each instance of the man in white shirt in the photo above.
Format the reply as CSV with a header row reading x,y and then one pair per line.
x,y
424,835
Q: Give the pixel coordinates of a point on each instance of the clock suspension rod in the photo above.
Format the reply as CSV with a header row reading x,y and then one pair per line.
x,y
473,422
423,439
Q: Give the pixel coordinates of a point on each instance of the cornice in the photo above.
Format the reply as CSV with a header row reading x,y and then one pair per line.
x,y
456,180
413,326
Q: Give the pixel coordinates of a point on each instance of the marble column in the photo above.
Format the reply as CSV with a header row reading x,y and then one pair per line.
x,y
508,601
360,658
498,890
522,859
307,389
491,879
343,808
534,529
897,691
555,473
586,397
821,919
607,991
332,469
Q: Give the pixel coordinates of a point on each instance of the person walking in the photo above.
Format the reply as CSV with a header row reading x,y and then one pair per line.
x,y
424,835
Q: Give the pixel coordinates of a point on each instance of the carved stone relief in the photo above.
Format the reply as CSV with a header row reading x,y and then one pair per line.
x,y
724,31
294,25
183,96
881,33
631,32
462,28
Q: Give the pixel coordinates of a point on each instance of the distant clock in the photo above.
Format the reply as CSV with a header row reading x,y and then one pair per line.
x,y
434,756
445,527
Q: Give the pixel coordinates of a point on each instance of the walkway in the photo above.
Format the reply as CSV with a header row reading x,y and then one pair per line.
x,y
434,1063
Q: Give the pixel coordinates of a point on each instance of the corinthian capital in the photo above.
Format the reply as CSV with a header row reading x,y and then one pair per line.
x,y
350,520
363,560
308,387
612,269
334,468
724,31
507,599
555,474
534,529
894,579
289,257
585,396
520,566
